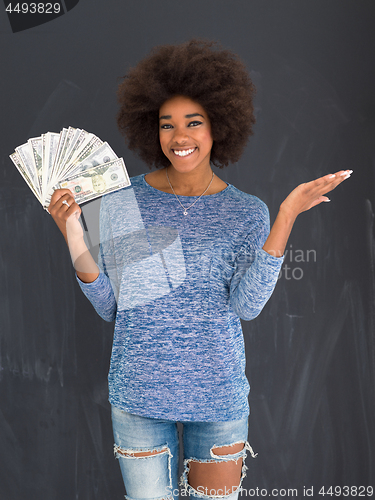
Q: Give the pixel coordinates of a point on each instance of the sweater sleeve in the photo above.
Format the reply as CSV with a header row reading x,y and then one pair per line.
x,y
256,272
103,291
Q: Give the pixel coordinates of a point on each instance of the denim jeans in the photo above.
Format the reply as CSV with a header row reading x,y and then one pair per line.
x,y
156,476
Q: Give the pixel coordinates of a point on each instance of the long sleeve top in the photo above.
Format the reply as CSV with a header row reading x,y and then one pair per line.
x,y
176,286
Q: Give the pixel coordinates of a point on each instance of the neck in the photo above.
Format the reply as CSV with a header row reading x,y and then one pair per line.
x,y
189,183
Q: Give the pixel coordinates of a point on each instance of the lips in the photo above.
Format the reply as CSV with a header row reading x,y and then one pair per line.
x,y
183,152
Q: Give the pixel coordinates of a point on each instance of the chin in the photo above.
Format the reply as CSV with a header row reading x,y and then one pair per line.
x,y
185,168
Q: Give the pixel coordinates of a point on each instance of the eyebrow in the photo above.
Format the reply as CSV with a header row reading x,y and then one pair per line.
x,y
168,117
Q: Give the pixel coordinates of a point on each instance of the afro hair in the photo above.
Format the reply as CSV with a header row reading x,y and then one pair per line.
x,y
214,78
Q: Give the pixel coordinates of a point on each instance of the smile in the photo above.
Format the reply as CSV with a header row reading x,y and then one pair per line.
x,y
183,152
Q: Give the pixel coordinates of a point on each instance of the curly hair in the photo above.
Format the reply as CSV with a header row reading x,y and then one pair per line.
x,y
214,78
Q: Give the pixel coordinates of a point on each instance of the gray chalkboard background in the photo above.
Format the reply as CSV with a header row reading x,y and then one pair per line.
x,y
311,351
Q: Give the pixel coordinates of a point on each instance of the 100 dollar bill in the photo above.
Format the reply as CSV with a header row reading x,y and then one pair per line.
x,y
97,181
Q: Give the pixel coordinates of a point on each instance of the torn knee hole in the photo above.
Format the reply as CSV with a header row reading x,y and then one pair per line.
x,y
214,475
224,470
134,453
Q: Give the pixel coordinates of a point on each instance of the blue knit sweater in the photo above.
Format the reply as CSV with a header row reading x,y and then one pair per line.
x,y
177,287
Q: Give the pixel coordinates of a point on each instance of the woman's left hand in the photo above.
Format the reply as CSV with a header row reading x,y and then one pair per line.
x,y
309,194
302,198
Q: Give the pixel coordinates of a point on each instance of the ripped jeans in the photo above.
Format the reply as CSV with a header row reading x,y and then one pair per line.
x,y
155,476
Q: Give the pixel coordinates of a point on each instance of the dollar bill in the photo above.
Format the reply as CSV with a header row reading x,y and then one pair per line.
x,y
44,140
91,146
17,162
99,156
97,181
25,156
36,147
65,147
50,145
81,142
63,133
89,165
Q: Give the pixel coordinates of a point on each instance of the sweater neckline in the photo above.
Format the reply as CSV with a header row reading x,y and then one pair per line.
x,y
208,196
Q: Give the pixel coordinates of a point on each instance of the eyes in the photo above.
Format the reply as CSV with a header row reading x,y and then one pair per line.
x,y
194,123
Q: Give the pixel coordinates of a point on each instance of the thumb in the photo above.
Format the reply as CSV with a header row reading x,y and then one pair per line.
x,y
318,201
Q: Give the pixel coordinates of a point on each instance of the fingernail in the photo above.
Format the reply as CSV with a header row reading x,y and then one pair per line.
x,y
331,176
327,200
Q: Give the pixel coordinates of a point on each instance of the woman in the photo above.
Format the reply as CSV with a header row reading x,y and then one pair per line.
x,y
183,257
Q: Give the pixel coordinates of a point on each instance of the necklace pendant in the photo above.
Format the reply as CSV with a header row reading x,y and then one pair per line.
x,y
185,209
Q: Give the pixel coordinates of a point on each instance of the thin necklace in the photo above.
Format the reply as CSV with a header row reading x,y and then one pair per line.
x,y
185,209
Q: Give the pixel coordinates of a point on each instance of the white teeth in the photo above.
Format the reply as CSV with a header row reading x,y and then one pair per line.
x,y
183,152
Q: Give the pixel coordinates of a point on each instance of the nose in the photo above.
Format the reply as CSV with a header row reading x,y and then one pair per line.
x,y
180,136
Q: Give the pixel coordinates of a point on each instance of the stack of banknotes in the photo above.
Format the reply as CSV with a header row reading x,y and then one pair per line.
x,y
73,159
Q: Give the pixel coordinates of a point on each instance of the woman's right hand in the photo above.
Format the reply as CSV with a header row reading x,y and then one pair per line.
x,y
66,212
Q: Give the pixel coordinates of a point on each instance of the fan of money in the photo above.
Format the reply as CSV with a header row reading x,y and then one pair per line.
x,y
73,159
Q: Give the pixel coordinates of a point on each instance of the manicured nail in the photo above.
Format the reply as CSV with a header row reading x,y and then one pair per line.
x,y
327,199
331,176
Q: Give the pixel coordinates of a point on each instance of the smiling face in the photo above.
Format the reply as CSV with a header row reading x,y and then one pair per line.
x,y
185,134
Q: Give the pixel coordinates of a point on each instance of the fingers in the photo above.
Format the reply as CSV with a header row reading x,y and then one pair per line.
x,y
310,194
325,184
328,182
62,202
59,193
338,177
62,206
